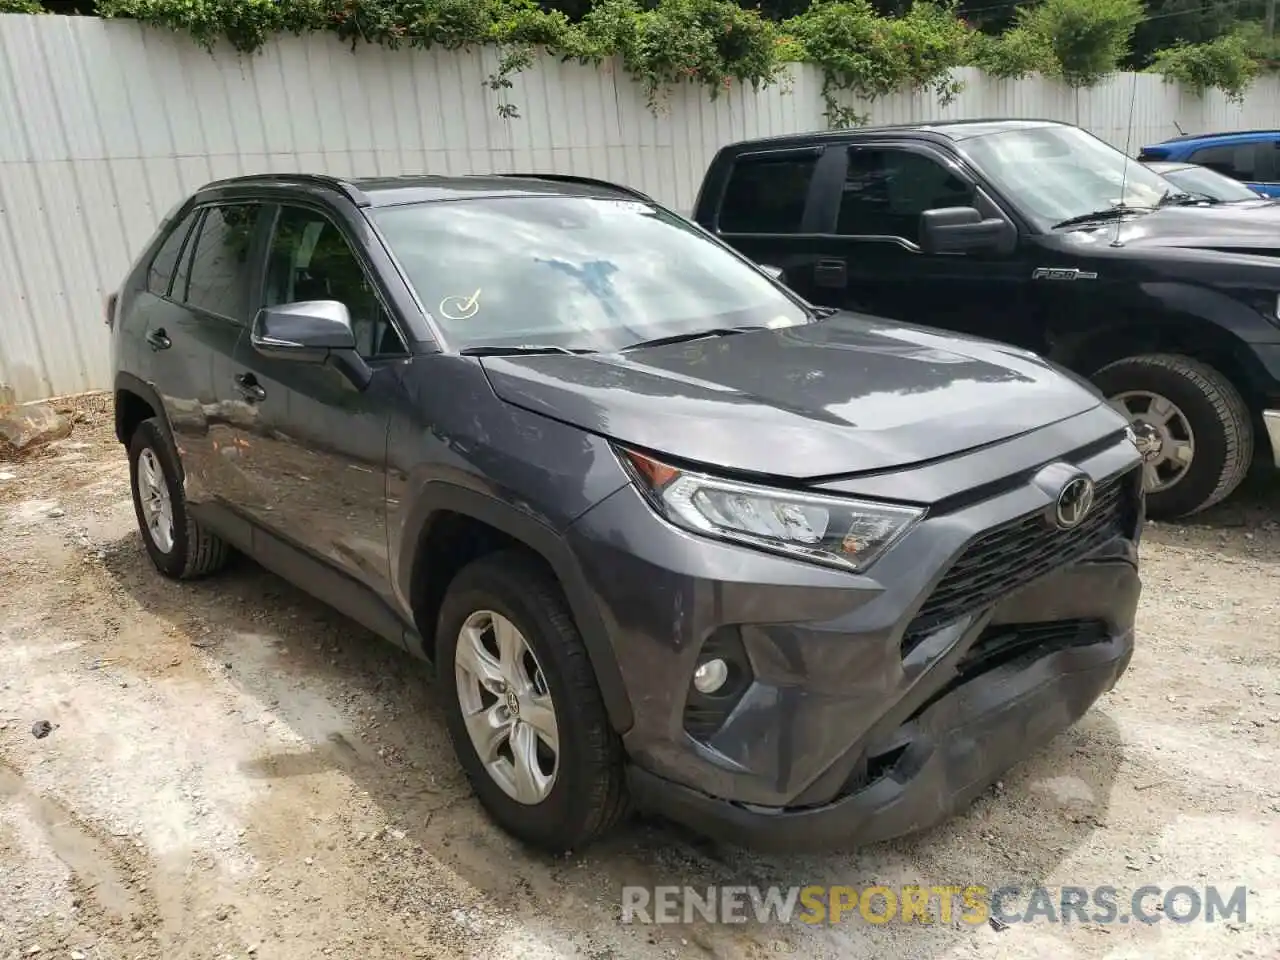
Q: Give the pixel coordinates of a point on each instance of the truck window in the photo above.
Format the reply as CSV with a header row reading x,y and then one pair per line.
x,y
886,190
1234,161
766,194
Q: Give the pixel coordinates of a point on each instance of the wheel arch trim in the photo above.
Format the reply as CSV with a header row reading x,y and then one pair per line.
x,y
439,495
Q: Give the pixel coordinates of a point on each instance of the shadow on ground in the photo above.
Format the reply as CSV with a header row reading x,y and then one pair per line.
x,y
272,639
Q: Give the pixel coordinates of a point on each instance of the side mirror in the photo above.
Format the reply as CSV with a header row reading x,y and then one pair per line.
x,y
963,230
310,331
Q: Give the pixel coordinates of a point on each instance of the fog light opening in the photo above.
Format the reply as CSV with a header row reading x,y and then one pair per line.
x,y
711,676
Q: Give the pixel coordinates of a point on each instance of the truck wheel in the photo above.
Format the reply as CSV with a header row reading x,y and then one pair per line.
x,y
1194,429
523,708
179,546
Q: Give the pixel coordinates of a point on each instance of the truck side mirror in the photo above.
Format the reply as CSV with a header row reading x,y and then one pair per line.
x,y
963,230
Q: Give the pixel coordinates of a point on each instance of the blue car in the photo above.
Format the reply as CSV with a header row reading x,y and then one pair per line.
x,y
1250,156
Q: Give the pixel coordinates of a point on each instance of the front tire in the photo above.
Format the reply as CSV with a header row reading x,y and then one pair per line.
x,y
523,709
1194,429
179,546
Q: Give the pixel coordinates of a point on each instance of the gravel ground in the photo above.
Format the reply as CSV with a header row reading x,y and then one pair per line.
x,y
232,770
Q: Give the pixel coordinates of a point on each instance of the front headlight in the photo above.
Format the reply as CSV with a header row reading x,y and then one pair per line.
x,y
833,530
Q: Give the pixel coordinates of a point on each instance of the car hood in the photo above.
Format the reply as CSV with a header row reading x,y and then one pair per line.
x,y
1248,227
840,396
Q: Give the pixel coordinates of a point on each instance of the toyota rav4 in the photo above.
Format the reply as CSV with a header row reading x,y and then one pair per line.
x,y
673,537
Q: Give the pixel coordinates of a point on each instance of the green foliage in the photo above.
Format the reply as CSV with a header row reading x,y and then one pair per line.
x,y
705,41
1264,50
1088,38
1224,63
863,54
1014,54
871,56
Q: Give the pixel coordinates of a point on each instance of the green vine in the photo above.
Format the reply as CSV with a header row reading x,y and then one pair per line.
x,y
1224,63
711,42
663,44
869,56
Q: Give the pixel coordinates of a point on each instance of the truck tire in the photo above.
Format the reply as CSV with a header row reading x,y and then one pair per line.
x,y
179,546
499,708
1199,434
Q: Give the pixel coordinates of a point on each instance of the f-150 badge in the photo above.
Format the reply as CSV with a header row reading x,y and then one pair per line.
x,y
1062,273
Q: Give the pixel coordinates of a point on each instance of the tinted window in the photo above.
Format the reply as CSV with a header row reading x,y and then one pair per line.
x,y
309,259
1234,161
885,191
160,274
221,266
577,272
766,195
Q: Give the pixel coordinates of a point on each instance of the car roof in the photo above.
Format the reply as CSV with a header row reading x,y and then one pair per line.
x,y
1204,139
954,130
422,188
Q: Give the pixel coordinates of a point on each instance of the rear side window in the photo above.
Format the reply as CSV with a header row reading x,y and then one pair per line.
x,y
1234,161
219,272
767,194
160,274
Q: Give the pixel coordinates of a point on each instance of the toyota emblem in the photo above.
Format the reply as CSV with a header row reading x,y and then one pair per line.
x,y
1074,502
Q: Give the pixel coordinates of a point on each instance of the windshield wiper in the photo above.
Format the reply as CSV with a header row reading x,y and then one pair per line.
x,y
1110,213
1185,199
499,350
695,335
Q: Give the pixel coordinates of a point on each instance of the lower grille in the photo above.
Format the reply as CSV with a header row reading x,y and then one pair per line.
x,y
1009,641
1009,557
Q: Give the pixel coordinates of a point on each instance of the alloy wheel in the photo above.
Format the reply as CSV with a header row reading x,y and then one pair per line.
x,y
153,493
507,706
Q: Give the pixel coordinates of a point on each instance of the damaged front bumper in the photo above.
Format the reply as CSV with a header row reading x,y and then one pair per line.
x,y
933,765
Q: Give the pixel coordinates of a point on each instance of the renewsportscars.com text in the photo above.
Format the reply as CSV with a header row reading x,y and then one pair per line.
x,y
972,904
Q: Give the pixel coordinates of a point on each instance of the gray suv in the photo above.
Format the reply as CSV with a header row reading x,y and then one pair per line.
x,y
673,537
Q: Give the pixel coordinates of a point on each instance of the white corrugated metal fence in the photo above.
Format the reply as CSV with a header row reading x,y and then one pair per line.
x,y
104,125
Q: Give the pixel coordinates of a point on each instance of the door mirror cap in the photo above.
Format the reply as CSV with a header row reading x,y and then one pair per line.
x,y
311,331
963,230
306,331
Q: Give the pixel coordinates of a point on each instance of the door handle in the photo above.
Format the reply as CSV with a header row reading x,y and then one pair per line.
x,y
158,339
831,273
249,388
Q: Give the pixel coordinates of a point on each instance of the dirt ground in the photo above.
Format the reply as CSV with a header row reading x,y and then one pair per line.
x,y
235,771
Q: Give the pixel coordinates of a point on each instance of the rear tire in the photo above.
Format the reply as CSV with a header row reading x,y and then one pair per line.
x,y
179,546
1210,411
586,794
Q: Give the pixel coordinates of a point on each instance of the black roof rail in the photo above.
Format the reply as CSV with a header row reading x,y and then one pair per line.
x,y
585,181
349,190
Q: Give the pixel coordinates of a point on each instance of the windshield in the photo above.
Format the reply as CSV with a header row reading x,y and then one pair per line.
x,y
573,272
1056,173
1209,183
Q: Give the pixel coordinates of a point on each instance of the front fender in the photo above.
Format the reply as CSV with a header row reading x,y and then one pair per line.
x,y
440,495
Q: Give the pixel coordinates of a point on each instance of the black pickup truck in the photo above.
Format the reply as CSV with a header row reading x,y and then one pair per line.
x,y
1041,235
